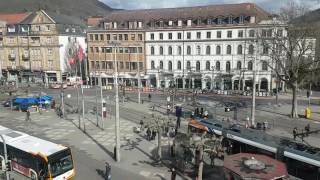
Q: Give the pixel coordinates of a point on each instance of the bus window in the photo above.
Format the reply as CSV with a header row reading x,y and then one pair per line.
x,y
60,163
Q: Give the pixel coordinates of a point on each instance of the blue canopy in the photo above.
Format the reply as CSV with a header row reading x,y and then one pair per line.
x,y
26,101
45,99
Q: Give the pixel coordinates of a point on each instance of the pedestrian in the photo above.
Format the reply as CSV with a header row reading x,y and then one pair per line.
x,y
53,104
149,97
154,134
108,172
28,115
178,122
148,134
295,131
173,174
141,124
307,129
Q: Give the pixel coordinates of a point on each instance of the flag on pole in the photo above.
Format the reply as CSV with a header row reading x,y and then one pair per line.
x,y
80,53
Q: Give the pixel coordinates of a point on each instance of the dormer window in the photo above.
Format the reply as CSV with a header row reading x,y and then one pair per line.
x,y
189,22
24,29
209,21
219,20
152,24
161,24
73,30
67,30
198,22
241,19
230,20
170,23
114,25
139,24
107,25
179,23
11,29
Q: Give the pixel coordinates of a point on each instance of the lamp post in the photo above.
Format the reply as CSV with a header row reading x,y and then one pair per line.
x,y
117,124
253,107
139,79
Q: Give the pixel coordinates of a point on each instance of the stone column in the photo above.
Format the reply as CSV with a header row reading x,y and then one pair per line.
x,y
203,83
259,85
270,85
183,82
158,81
222,84
192,83
232,84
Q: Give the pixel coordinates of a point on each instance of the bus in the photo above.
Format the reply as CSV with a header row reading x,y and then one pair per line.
x,y
35,158
303,161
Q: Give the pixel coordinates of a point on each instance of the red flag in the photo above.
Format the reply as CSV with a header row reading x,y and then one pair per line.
x,y
71,61
80,53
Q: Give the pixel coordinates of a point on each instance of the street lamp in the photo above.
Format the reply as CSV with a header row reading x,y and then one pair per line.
x,y
117,124
253,107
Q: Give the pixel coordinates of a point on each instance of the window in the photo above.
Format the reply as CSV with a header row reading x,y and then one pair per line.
x,y
229,49
208,65
188,35
139,37
97,49
161,50
50,52
198,35
280,33
91,37
209,21
218,34
265,49
189,22
228,68
230,20
188,65
170,66
170,23
152,65
152,36
209,35
91,49
101,37
179,23
126,37
133,37
208,50
179,65
96,37
161,24
218,50
179,35
241,19
152,50
219,21
251,49
179,50
198,50
264,66
250,65
218,66
240,33
108,37
198,22
239,49
188,50
120,37
229,34
161,64
239,65
170,50
198,66
161,36
170,36
251,33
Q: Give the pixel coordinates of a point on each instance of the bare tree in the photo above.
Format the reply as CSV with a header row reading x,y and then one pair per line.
x,y
291,48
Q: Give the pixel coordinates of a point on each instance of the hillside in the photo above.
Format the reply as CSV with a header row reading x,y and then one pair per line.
x,y
78,8
311,18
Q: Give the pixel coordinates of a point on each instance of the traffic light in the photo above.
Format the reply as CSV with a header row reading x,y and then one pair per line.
x,y
8,166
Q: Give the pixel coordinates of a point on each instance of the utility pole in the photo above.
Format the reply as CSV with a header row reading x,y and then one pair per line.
x,y
253,108
82,94
117,124
139,78
5,156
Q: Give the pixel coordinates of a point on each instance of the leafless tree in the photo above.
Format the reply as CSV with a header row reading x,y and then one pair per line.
x,y
290,46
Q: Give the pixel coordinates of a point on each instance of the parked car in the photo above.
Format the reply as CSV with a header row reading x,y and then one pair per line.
x,y
57,86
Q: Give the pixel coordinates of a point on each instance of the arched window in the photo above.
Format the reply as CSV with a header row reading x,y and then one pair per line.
x,y
188,65
152,65
218,65
198,66
179,65
161,50
229,49
240,49
161,64
208,50
264,66
170,50
218,50
170,66
188,50
239,65
152,50
207,65
251,49
179,50
198,50
228,68
250,65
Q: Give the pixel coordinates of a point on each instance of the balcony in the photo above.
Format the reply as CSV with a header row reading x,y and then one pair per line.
x,y
25,57
12,56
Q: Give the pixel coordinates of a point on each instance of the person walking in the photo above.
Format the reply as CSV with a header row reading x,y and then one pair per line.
x,y
173,174
28,115
149,97
108,172
154,134
148,134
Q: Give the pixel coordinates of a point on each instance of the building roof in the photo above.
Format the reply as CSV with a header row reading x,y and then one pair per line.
x,y
245,9
255,166
14,18
94,21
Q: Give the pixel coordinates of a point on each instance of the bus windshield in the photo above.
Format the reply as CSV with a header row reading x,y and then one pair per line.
x,y
60,164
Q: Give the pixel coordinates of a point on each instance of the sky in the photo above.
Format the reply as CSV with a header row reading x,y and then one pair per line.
x,y
271,6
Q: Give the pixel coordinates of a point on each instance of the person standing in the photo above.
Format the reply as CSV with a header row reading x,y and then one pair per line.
x,y
148,134
173,174
108,171
28,115
154,134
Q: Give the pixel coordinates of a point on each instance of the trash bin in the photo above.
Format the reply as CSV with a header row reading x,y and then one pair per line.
x,y
307,113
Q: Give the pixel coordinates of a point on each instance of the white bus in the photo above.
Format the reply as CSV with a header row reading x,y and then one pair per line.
x,y
36,158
